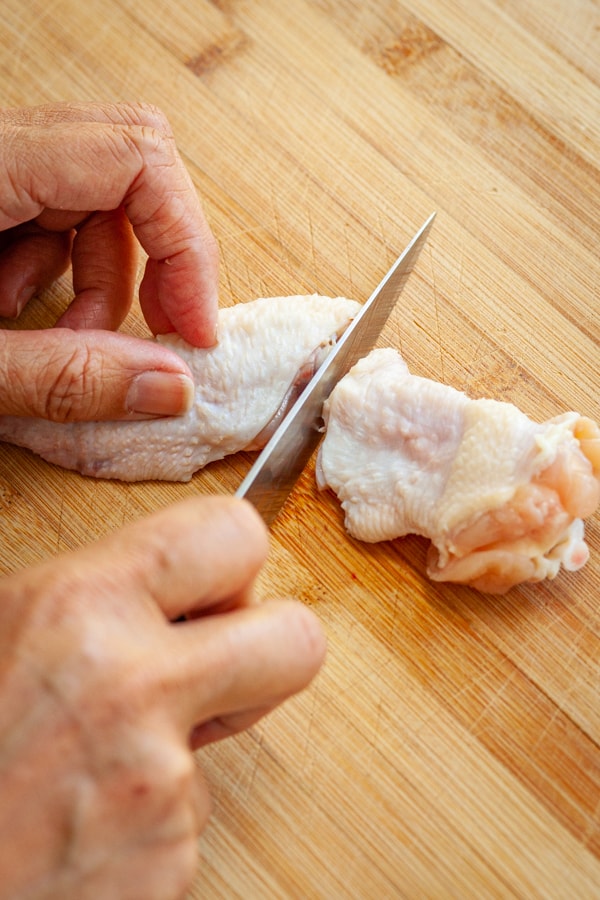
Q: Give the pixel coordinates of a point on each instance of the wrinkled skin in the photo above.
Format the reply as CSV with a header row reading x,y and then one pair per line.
x,y
268,349
103,696
86,185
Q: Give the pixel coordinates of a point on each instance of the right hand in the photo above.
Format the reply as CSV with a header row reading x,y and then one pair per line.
x,y
104,695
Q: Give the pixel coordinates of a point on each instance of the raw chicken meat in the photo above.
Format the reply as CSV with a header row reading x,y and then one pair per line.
x,y
500,497
268,349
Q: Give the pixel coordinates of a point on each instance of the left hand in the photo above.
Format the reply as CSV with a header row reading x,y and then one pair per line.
x,y
79,184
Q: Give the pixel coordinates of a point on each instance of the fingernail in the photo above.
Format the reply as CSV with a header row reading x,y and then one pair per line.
x,y
160,394
215,336
23,299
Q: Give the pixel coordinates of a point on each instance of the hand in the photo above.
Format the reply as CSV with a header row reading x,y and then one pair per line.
x,y
103,696
80,183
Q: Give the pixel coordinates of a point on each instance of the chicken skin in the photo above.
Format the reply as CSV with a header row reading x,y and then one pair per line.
x,y
268,349
501,498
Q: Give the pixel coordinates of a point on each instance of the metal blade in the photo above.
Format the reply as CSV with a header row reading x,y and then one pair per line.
x,y
276,470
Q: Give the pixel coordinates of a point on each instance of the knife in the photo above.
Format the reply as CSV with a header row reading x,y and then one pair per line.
x,y
279,465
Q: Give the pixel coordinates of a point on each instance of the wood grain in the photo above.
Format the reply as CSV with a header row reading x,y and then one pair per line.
x,y
449,748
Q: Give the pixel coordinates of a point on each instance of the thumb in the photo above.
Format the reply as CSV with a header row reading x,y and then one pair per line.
x,y
69,376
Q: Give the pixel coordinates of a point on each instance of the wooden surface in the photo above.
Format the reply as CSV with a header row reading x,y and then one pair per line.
x,y
450,746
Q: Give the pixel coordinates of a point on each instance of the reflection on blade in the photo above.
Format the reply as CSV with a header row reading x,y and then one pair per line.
x,y
278,467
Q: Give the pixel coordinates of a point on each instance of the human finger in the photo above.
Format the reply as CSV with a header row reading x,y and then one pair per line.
x,y
250,661
104,268
168,295
225,726
29,262
64,167
196,556
67,376
108,112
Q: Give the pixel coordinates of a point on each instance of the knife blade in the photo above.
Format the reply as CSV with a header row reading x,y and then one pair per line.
x,y
279,465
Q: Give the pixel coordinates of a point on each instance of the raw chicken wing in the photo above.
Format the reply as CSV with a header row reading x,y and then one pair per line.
x,y
501,498
267,351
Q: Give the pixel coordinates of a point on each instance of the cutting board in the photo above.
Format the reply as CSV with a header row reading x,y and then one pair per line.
x,y
450,745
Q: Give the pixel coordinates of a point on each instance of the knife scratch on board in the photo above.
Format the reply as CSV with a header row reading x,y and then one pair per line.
x,y
61,508
439,337
313,254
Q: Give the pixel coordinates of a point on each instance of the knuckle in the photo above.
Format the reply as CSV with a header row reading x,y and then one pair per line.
x,y
154,150
154,117
149,131
16,205
143,113
147,138
159,776
72,388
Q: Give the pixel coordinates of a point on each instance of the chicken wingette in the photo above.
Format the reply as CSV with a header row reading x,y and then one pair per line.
x,y
501,498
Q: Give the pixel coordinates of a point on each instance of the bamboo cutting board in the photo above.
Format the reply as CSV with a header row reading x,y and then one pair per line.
x,y
449,748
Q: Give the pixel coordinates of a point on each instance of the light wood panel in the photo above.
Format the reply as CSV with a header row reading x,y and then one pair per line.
x,y
450,745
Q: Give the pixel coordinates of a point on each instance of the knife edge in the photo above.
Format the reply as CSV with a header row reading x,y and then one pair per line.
x,y
274,473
